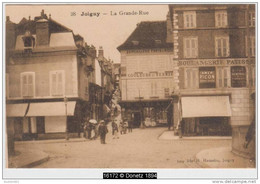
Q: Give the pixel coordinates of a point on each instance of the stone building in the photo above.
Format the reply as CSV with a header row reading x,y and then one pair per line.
x,y
147,73
214,52
49,71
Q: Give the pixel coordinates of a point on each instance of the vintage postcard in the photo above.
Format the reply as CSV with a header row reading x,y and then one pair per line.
x,y
129,91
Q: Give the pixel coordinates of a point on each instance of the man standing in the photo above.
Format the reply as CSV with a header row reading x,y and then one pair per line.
x,y
102,130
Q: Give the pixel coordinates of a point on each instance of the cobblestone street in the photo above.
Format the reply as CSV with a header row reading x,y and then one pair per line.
x,y
139,149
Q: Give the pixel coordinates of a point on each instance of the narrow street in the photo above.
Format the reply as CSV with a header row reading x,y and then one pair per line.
x,y
139,149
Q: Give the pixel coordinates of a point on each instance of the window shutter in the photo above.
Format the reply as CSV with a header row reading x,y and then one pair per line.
x,y
220,77
228,50
53,83
59,83
24,85
30,85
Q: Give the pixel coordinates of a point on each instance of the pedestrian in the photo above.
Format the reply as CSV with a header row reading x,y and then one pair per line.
x,y
102,130
181,128
129,126
95,128
87,129
114,130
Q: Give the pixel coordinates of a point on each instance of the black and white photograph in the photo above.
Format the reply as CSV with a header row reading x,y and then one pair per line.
x,y
137,91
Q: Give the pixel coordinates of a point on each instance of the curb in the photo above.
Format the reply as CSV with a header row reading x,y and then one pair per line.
x,y
35,163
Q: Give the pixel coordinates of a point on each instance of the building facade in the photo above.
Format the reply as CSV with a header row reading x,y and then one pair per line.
x,y
214,52
146,79
49,72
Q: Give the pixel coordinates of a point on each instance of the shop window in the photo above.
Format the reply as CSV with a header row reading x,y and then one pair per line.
x,y
28,84
251,20
189,19
190,47
223,74
221,18
222,46
191,78
251,44
40,125
238,76
57,83
207,77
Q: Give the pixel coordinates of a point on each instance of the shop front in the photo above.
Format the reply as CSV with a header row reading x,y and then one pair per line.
x,y
44,120
148,113
206,116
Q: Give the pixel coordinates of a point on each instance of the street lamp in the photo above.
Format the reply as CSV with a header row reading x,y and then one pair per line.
x,y
67,131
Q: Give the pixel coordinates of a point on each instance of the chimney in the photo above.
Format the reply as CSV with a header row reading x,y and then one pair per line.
x,y
42,13
10,34
100,52
42,33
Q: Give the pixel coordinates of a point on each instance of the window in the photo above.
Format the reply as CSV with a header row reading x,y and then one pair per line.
x,y
189,19
191,78
238,76
57,83
190,47
28,40
221,18
251,21
207,77
222,46
28,84
153,88
223,74
251,44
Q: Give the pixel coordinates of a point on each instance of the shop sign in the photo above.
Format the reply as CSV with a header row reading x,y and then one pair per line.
x,y
150,74
238,76
215,62
207,77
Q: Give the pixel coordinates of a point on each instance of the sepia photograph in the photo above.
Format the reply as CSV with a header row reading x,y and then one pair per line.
x,y
129,90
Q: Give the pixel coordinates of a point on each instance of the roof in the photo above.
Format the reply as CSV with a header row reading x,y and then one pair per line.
x,y
148,34
30,25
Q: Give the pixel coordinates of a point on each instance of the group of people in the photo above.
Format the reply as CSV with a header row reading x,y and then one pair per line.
x,y
99,128
121,127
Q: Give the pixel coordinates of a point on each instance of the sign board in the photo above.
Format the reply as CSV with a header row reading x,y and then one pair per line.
x,y
238,76
207,77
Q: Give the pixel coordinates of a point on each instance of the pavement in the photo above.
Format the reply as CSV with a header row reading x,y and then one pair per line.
x,y
220,157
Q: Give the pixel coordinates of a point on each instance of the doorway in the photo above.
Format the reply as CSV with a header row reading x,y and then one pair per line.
x,y
136,119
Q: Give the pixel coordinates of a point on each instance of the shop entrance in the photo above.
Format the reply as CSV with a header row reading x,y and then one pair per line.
x,y
207,126
136,119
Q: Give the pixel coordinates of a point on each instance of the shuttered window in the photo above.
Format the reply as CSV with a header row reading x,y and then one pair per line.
x,y
221,18
223,77
190,47
189,19
57,83
28,84
191,78
222,46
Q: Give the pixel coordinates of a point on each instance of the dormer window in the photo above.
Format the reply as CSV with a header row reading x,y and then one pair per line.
x,y
135,42
28,41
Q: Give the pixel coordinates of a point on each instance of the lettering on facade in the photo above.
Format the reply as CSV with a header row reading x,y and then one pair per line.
x,y
207,77
238,76
151,74
216,62
149,50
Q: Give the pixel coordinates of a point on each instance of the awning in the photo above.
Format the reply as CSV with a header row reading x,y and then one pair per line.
x,y
41,109
206,106
16,110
